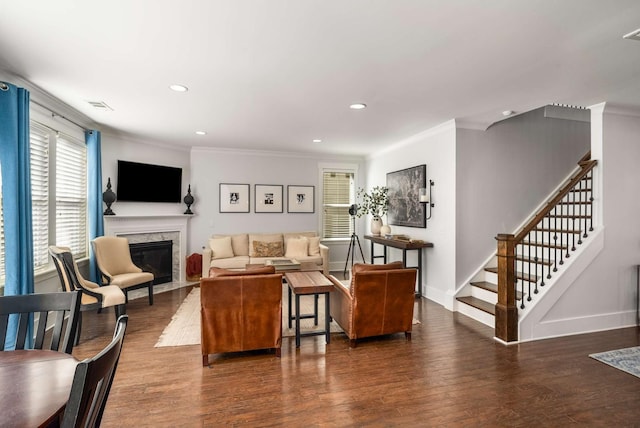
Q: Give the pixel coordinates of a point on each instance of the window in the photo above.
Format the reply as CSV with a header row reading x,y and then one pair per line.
x,y
338,193
58,193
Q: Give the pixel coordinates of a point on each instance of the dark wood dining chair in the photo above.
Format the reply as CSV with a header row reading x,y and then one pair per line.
x,y
41,308
92,383
94,297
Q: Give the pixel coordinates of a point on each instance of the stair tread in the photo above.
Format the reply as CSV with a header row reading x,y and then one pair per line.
x,y
576,203
545,244
490,286
540,261
544,229
519,275
478,304
579,190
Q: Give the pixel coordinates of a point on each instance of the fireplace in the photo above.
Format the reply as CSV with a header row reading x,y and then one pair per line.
x,y
155,257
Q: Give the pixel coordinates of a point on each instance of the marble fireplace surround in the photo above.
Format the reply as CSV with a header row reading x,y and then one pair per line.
x,y
154,228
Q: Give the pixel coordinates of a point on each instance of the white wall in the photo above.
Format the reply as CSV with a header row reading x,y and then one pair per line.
x,y
210,167
604,296
436,148
504,173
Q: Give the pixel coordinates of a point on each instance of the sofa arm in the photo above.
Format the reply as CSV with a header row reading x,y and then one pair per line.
x,y
206,261
324,253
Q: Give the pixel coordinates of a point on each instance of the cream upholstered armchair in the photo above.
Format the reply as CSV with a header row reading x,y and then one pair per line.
x,y
93,297
116,267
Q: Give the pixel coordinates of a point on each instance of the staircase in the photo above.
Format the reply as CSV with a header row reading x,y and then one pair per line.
x,y
530,260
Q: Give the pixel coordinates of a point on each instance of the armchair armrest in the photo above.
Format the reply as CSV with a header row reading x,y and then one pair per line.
x,y
341,304
324,253
206,261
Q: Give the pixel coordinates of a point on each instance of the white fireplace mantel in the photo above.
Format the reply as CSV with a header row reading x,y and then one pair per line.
x,y
134,225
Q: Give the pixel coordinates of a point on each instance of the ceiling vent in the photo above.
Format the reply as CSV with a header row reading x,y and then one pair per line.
x,y
100,105
634,35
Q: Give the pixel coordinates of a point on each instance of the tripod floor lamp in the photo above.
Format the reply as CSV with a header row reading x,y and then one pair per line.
x,y
353,209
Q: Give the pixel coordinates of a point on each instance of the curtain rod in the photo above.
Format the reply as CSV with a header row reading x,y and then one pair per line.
x,y
54,114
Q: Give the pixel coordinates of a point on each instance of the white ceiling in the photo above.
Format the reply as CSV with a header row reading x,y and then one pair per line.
x,y
276,74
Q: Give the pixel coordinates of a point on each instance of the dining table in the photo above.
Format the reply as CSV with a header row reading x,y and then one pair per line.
x,y
34,386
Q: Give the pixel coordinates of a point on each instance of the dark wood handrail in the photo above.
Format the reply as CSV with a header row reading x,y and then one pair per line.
x,y
586,167
506,312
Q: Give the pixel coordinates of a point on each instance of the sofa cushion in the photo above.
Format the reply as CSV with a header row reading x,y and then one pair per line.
x,y
221,247
314,246
239,243
267,249
237,262
297,247
288,235
261,270
264,237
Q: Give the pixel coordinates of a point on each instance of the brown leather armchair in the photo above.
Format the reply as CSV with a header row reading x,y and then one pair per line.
x,y
240,311
378,301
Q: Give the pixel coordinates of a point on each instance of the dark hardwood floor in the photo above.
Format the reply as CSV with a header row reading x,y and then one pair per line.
x,y
452,373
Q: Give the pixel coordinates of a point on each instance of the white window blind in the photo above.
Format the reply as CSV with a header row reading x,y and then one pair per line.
x,y
39,141
71,195
338,194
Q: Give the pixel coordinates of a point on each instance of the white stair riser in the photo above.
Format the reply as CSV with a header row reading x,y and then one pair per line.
x,y
477,314
486,295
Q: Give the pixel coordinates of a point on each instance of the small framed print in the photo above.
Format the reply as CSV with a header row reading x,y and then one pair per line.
x,y
234,198
300,199
268,198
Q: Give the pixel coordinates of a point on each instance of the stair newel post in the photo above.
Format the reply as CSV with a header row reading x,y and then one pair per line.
x,y
506,313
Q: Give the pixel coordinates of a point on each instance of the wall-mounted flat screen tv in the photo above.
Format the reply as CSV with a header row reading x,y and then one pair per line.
x,y
141,182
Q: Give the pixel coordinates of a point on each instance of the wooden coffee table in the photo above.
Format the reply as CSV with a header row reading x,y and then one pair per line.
x,y
309,283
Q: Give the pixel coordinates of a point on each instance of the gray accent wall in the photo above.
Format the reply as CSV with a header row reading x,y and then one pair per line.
x,y
504,173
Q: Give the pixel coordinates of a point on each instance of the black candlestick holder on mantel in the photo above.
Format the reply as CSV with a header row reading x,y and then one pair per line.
x,y
189,200
109,197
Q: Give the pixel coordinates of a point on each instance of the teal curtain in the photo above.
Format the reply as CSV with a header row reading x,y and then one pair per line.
x,y
96,222
16,197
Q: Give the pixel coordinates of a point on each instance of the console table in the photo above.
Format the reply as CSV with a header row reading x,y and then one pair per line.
x,y
404,246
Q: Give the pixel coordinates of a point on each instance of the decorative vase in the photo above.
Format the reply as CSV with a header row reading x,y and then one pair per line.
x,y
376,224
109,197
385,230
188,199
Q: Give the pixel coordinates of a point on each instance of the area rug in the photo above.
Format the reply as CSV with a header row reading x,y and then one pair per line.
x,y
627,360
184,328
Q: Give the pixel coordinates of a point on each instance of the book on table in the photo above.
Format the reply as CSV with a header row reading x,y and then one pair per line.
x,y
283,264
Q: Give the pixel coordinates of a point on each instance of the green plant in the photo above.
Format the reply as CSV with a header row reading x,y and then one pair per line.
x,y
375,202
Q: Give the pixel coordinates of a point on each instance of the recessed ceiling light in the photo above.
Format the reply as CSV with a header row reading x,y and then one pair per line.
x,y
357,106
201,132
317,140
178,88
507,112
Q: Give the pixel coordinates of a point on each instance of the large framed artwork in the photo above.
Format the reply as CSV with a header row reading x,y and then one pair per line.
x,y
300,199
268,198
234,198
404,186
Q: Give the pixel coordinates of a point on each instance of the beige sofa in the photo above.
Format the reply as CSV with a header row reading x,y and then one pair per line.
x,y
236,251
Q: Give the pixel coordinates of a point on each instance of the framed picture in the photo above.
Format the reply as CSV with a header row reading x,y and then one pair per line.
x,y
404,207
300,199
234,198
268,198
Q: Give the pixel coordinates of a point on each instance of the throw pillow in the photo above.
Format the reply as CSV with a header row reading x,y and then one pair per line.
x,y
215,272
267,249
221,247
314,246
297,248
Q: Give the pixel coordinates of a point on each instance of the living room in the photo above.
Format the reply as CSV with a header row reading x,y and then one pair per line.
x,y
479,160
